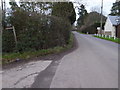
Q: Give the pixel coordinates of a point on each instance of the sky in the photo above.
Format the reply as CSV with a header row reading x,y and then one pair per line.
x,y
89,4
107,4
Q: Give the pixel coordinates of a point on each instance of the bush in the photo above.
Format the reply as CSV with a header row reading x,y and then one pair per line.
x,y
38,32
92,29
8,42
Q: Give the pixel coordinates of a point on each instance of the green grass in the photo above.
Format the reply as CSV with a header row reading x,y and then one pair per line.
x,y
81,32
11,57
117,40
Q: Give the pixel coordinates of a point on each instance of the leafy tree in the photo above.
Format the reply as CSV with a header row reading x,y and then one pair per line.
x,y
91,22
92,18
64,10
115,9
82,12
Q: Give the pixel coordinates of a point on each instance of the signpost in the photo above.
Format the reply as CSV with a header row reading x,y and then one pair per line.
x,y
15,37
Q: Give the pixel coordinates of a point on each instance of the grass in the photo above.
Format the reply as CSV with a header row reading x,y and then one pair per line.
x,y
117,40
11,57
81,32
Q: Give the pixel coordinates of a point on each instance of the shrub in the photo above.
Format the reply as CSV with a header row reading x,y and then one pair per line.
x,y
38,32
8,42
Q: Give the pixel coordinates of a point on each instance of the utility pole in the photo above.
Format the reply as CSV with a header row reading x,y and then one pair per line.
x,y
101,17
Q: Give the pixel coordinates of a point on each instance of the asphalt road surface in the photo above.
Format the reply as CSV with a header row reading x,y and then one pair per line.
x,y
94,64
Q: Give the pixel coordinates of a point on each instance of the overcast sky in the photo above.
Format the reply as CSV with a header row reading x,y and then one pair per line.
x,y
107,4
93,4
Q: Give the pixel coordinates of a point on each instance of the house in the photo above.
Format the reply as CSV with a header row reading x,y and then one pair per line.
x,y
118,31
111,26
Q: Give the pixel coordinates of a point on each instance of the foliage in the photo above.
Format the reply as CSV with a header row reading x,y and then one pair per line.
x,y
8,43
91,22
35,30
47,34
117,40
92,29
92,18
64,10
11,57
115,9
37,7
82,12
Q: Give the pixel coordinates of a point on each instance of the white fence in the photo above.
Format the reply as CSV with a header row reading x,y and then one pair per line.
x,y
105,36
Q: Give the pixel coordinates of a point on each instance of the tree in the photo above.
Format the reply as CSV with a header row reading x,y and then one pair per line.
x,y
37,7
115,9
92,18
91,22
82,12
64,10
13,5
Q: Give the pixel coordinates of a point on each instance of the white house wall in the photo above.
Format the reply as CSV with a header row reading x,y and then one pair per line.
x,y
109,27
113,31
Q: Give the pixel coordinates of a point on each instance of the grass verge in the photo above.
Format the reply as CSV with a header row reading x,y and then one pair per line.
x,y
81,32
11,57
117,40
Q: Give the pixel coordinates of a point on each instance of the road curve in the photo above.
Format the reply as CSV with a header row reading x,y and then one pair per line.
x,y
93,65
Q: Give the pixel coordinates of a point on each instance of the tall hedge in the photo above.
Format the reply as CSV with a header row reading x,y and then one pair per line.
x,y
38,32
35,30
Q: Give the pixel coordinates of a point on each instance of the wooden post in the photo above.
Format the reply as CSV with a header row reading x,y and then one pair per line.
x,y
15,37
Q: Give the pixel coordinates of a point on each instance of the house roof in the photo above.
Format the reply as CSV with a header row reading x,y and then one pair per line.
x,y
115,20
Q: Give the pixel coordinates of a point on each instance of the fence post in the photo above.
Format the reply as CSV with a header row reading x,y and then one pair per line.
x,y
114,37
102,35
105,36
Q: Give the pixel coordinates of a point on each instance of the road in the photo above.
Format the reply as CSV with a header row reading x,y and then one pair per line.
x,y
93,65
